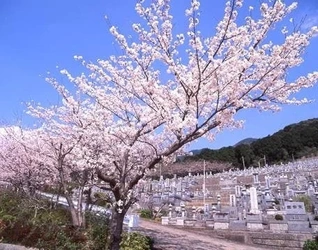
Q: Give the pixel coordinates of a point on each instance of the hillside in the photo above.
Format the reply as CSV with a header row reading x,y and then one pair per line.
x,y
183,168
246,141
292,142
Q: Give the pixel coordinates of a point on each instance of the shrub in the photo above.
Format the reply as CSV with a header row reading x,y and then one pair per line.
x,y
31,222
34,223
316,217
10,202
101,199
279,217
310,245
97,231
146,213
67,238
16,232
135,241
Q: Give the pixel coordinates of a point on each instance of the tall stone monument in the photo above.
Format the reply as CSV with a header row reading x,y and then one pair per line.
x,y
254,201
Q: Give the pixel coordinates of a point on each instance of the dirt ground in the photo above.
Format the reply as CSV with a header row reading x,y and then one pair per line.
x,y
168,238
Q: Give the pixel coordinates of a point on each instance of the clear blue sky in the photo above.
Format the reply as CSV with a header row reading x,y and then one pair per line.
x,y
38,35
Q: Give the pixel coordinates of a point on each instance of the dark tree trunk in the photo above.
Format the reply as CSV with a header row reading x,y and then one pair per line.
x,y
116,229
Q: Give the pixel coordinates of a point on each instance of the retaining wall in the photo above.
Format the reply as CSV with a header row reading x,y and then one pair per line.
x,y
277,241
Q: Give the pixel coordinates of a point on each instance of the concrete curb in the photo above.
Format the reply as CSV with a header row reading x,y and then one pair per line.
x,y
14,247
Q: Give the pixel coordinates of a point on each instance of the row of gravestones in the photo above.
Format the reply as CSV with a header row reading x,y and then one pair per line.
x,y
236,225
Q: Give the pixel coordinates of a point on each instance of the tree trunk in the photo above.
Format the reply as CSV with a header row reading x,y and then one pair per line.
x,y
75,219
116,229
76,216
80,212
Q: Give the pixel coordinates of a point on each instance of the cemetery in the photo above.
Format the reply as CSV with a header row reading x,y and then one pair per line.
x,y
277,201
134,101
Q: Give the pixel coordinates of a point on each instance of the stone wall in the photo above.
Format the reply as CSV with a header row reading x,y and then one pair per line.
x,y
275,241
284,241
274,236
221,225
254,226
278,227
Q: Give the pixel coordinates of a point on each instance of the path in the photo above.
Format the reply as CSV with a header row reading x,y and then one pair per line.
x,y
169,238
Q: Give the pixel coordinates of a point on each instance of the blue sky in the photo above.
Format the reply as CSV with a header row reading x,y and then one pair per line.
x,y
36,36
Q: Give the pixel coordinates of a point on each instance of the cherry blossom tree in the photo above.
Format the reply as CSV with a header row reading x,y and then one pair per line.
x,y
33,159
167,90
61,135
21,161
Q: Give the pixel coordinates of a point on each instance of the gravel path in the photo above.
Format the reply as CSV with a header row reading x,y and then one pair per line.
x,y
168,238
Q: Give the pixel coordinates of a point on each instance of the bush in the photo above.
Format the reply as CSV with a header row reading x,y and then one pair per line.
x,y
33,222
101,199
67,238
279,217
310,245
97,231
146,213
135,241
316,217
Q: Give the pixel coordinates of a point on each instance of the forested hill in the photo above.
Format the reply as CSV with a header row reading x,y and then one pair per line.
x,y
292,142
245,141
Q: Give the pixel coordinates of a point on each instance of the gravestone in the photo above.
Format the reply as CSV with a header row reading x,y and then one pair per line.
x,y
238,192
294,207
254,201
232,200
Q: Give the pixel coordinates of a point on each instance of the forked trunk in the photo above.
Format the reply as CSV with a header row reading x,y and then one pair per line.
x,y
116,229
76,213
75,218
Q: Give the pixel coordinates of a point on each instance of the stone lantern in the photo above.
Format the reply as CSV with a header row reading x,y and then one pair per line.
x,y
193,212
170,210
183,210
